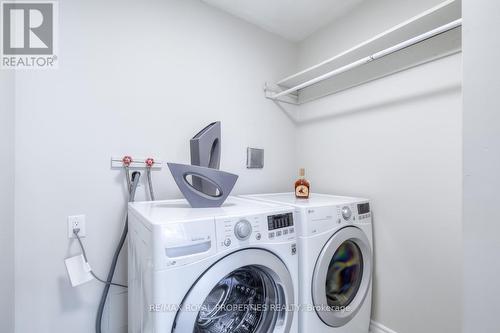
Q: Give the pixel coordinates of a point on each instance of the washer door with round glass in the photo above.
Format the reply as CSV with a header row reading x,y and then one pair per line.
x,y
249,291
342,276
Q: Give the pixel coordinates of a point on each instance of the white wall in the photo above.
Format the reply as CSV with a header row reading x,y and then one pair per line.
x,y
7,201
138,77
398,141
481,166
143,77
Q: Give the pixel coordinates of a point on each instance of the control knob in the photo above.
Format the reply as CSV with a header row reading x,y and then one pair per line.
x,y
346,213
243,230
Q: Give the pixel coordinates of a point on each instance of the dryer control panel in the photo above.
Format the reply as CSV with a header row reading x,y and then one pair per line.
x,y
355,212
321,219
234,232
364,211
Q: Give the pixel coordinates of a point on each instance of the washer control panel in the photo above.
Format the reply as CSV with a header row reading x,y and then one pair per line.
x,y
280,225
243,229
233,232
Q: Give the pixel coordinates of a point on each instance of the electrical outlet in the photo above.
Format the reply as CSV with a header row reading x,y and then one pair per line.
x,y
76,222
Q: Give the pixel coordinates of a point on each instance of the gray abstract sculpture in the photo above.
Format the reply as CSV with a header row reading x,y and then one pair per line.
x,y
205,152
223,182
202,184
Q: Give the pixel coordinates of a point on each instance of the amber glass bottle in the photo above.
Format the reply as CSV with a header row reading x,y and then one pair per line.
x,y
302,186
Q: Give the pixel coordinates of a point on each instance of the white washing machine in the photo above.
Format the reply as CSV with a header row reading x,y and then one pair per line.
x,y
212,270
335,261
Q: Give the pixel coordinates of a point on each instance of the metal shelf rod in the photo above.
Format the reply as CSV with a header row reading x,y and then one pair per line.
x,y
368,59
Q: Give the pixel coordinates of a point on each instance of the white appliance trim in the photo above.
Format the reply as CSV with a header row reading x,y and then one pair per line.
x,y
319,293
376,327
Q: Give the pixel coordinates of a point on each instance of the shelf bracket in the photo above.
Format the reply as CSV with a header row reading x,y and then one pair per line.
x,y
270,93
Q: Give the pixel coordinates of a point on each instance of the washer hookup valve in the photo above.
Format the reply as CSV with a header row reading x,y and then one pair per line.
x,y
149,162
127,160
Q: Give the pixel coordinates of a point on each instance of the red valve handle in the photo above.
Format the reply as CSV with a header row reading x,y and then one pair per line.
x,y
149,162
127,160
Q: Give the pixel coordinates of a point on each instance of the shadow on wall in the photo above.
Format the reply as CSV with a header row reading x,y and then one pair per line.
x,y
69,297
290,114
336,113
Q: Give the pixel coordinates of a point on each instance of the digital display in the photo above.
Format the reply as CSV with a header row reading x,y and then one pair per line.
x,y
363,208
280,221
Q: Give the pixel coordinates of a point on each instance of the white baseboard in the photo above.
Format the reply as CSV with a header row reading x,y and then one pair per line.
x,y
379,328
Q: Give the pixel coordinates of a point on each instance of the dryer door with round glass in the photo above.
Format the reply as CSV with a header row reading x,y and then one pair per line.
x,y
249,291
342,276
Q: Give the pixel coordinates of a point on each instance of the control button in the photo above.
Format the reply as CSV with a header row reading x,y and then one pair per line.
x,y
346,213
285,232
292,230
227,242
243,230
258,236
278,233
271,235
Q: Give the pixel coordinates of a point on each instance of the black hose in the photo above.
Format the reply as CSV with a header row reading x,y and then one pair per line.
x,y
135,180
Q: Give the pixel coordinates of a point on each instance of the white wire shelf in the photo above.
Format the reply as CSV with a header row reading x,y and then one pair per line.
x,y
433,34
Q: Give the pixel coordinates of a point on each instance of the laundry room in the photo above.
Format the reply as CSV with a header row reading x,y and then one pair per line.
x,y
249,166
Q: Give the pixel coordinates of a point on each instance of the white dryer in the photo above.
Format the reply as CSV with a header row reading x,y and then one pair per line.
x,y
212,270
335,261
